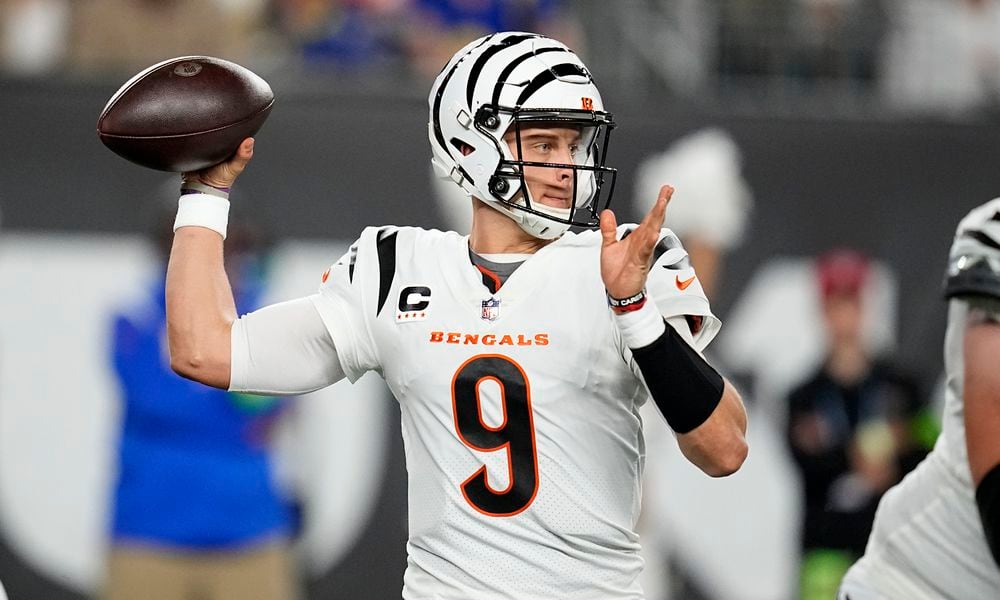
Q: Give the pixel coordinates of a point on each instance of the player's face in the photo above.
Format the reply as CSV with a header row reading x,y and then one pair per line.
x,y
548,144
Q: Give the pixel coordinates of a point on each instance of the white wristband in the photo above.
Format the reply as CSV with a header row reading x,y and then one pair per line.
x,y
640,328
203,210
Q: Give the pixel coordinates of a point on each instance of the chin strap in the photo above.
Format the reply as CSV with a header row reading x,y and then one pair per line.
x,y
534,225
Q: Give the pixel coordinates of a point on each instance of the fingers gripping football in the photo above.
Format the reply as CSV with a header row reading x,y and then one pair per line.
x,y
224,174
625,263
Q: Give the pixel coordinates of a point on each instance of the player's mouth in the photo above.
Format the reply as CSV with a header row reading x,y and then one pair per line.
x,y
557,201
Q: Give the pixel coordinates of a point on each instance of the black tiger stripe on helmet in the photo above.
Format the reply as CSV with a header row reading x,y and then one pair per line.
x,y
974,260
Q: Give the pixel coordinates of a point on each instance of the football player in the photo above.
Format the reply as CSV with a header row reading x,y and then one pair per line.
x,y
519,354
937,533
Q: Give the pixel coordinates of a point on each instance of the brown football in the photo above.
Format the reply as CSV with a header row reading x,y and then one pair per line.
x,y
185,114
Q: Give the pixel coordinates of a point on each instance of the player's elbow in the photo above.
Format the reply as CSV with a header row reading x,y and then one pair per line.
x,y
185,364
731,450
197,363
185,360
729,458
717,449
189,364
200,353
197,367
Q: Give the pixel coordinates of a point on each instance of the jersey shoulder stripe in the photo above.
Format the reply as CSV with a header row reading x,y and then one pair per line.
x,y
385,248
379,252
974,260
353,258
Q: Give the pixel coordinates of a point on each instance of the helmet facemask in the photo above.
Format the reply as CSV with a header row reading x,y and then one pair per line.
x,y
593,183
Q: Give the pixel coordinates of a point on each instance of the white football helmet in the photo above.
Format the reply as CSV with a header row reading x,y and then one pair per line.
x,y
498,83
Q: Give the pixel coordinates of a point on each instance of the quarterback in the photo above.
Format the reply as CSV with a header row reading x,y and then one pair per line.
x,y
937,533
519,354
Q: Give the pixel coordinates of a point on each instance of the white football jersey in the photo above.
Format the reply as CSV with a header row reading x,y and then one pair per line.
x,y
927,541
520,410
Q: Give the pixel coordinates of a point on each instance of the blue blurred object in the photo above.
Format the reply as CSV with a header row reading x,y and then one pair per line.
x,y
195,470
492,15
354,38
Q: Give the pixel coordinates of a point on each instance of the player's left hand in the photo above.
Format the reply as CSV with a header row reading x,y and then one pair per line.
x,y
625,263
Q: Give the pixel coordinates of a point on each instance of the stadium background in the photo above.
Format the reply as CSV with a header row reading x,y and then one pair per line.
x,y
829,157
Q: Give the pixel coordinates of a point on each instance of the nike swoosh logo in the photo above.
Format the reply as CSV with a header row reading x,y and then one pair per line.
x,y
683,285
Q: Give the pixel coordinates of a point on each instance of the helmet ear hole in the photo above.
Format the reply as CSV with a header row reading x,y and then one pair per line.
x,y
462,146
499,186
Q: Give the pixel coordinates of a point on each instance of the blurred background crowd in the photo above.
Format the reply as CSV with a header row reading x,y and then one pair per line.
x,y
923,56
822,152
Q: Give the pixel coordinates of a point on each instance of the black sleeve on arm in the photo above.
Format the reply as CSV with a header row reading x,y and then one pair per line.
x,y
988,500
684,386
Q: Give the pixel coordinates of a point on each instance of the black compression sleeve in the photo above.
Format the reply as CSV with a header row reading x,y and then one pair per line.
x,y
684,386
988,500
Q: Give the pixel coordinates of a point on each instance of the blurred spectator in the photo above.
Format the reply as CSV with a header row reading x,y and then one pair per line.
x,y
130,35
345,33
943,57
197,513
751,36
33,35
849,429
834,39
441,27
712,201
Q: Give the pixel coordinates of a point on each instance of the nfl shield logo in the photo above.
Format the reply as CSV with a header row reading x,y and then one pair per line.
x,y
491,309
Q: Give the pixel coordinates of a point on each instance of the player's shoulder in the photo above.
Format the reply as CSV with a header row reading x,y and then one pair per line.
x,y
381,254
382,251
394,234
974,259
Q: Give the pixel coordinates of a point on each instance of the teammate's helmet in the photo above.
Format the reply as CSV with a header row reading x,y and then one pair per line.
x,y
496,85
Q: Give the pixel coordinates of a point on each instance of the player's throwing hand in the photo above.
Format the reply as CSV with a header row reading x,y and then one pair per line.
x,y
625,263
224,174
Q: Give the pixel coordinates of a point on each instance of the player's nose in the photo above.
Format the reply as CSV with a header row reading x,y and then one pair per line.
x,y
564,174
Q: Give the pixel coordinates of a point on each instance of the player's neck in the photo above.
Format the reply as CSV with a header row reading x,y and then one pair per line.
x,y
495,233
